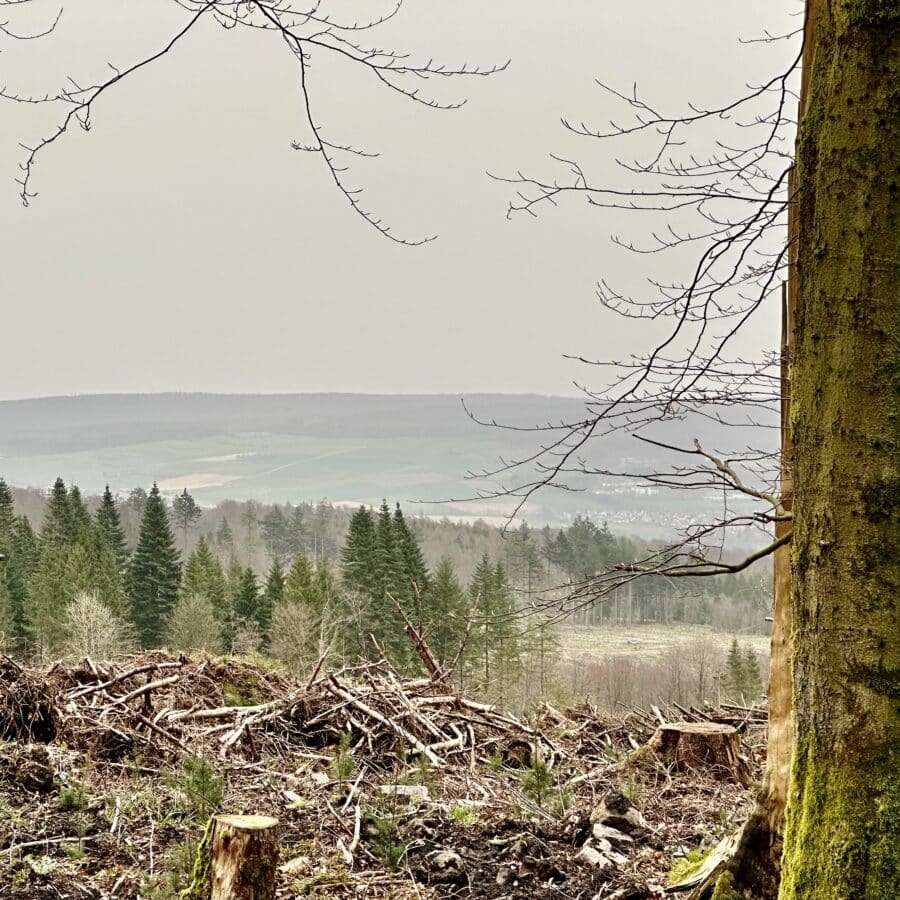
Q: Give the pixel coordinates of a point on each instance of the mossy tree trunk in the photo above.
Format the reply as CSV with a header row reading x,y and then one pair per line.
x,y
843,819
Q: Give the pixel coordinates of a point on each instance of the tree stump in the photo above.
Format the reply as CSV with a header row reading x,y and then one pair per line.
x,y
702,745
243,858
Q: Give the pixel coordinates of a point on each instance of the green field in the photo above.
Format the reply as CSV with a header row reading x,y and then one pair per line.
x,y
343,470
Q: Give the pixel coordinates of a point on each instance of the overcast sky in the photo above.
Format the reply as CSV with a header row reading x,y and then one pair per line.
x,y
183,245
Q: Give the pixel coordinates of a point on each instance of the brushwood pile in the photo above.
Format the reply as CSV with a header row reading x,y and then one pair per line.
x,y
383,786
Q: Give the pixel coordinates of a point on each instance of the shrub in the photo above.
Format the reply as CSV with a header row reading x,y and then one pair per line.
x,y
94,630
193,626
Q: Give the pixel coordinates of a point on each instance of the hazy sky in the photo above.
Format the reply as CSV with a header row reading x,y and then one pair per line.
x,y
183,245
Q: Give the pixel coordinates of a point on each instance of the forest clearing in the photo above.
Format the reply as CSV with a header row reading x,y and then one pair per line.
x,y
382,786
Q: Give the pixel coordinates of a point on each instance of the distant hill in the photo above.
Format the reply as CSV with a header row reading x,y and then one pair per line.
x,y
349,448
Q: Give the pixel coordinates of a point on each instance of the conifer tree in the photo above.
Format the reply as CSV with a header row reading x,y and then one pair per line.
x,y
92,568
79,516
274,528
448,611
296,532
478,652
752,676
7,516
392,588
203,577
109,526
505,632
22,558
250,606
47,596
154,576
299,586
734,677
7,619
358,554
224,535
414,563
275,581
57,531
185,512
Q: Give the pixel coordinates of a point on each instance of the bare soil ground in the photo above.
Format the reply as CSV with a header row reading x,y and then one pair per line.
x,y
108,773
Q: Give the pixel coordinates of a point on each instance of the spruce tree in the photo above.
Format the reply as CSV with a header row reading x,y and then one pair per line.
x,y
57,531
7,619
414,563
447,613
7,516
296,532
358,554
47,597
274,528
392,589
91,568
224,535
154,576
185,512
250,606
275,580
22,559
79,516
203,577
734,678
752,676
299,586
109,527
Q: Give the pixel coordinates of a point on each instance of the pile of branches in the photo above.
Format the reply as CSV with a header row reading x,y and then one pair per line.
x,y
437,777
162,706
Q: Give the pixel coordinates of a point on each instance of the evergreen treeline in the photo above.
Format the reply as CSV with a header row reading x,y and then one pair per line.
x,y
308,583
303,610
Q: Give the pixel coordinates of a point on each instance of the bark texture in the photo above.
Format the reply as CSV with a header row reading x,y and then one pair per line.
x,y
243,858
843,827
702,745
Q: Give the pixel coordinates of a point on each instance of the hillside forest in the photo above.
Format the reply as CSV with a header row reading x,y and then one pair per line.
x,y
311,585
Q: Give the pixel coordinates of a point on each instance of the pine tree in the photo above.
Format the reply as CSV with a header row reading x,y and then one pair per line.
x,y
154,576
185,512
109,526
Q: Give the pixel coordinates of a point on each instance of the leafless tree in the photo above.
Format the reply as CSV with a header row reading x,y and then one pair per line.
x,y
305,30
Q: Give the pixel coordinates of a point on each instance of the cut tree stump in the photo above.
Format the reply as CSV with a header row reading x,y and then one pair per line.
x,y
243,858
702,745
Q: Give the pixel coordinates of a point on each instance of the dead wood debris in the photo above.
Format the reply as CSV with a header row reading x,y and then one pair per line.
x,y
436,796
